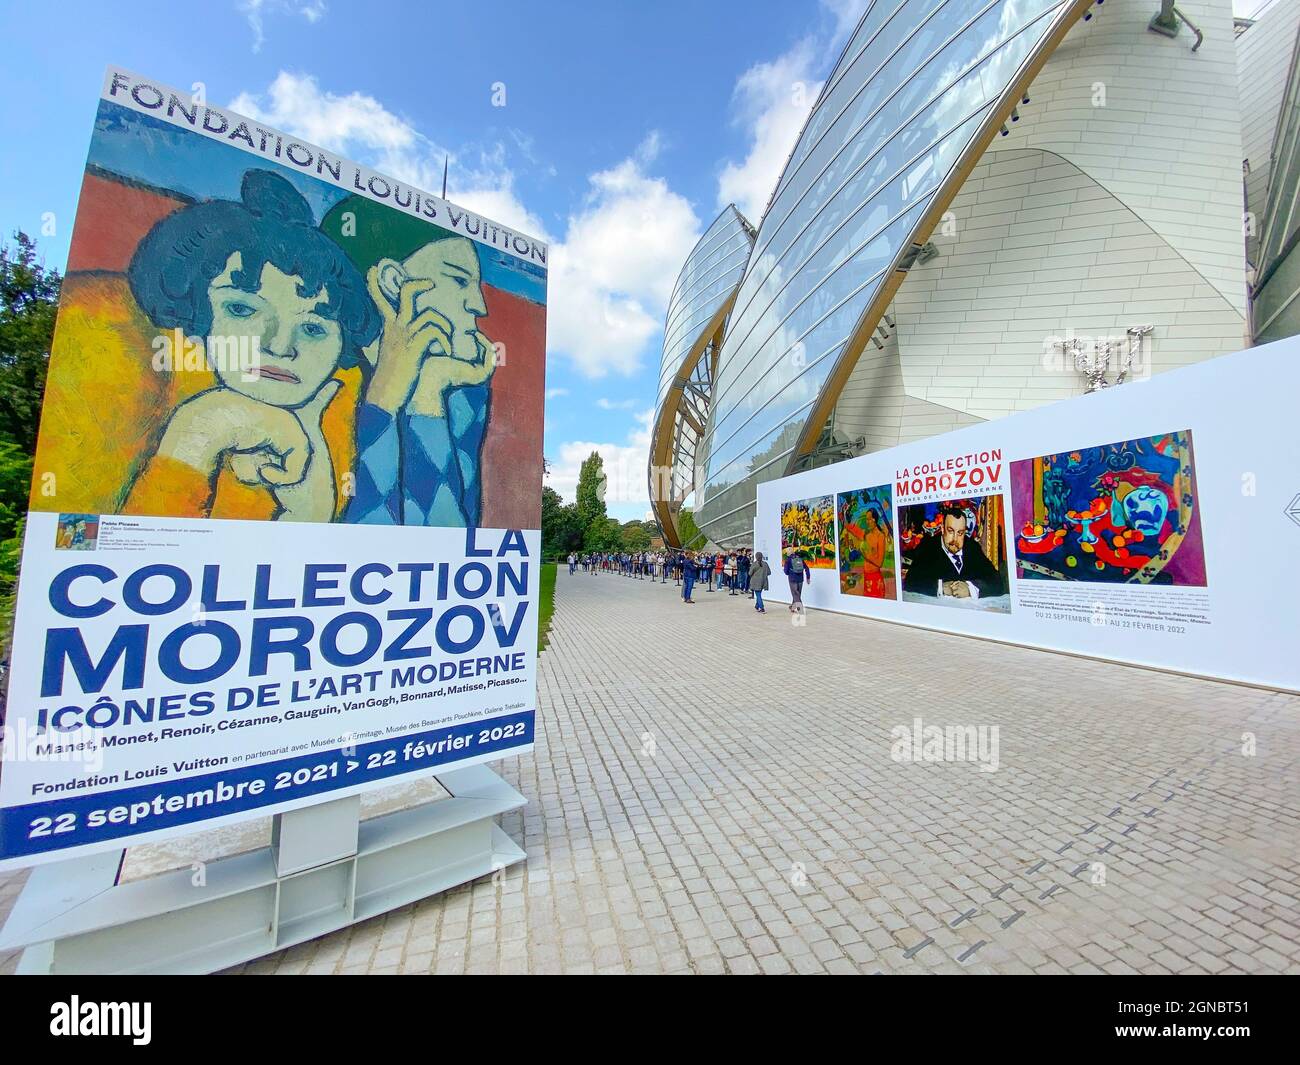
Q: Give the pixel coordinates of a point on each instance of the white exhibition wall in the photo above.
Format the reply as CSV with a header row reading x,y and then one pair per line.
x,y
1156,523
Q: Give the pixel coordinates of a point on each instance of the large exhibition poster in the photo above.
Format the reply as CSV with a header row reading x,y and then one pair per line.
x,y
283,533
1132,524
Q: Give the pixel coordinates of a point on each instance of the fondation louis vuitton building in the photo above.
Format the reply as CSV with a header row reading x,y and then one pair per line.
x,y
994,204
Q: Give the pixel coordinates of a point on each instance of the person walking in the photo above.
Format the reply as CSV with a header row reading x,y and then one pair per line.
x,y
759,572
796,569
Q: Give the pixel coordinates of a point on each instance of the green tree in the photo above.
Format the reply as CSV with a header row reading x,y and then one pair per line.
x,y
591,504
552,518
692,538
15,481
612,536
561,526
635,536
29,298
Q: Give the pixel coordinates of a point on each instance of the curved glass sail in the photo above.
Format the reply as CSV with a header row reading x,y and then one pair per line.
x,y
897,119
692,329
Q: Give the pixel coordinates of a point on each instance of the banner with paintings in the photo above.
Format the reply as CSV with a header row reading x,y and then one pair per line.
x,y
1135,524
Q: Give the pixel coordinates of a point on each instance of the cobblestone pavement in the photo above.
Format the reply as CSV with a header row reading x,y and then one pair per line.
x,y
713,791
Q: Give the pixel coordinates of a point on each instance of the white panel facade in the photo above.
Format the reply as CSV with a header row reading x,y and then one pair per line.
x,y
1264,57
1068,228
1155,124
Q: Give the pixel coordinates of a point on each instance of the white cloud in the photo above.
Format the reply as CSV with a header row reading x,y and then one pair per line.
x,y
613,271
615,404
626,491
848,13
297,103
772,101
552,393
612,274
255,11
360,127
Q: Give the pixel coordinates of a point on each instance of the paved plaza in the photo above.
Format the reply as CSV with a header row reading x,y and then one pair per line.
x,y
713,791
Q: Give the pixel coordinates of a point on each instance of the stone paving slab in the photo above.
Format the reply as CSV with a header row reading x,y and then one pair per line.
x,y
713,791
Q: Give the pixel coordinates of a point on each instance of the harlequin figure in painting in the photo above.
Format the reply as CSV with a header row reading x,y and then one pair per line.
x,y
424,412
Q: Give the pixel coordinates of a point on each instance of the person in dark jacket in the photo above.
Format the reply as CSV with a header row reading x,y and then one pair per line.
x,y
796,569
688,577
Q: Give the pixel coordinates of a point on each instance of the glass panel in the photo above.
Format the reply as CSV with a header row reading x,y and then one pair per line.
x,y
846,165
827,314
870,45
709,276
896,115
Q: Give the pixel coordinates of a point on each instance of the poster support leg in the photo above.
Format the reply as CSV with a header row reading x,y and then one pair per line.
x,y
325,869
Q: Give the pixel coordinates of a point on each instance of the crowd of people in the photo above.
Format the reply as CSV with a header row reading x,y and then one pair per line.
x,y
741,572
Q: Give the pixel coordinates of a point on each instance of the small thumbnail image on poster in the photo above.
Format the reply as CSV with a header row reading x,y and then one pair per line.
x,y
808,528
954,553
76,532
1121,513
867,553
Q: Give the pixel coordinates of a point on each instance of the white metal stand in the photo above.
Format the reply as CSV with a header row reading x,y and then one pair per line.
x,y
325,869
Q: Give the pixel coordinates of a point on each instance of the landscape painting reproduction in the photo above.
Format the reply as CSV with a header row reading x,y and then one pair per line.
x,y
808,528
1119,513
866,522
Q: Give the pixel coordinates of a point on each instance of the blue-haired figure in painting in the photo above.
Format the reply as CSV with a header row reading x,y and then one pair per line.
x,y
258,268
371,288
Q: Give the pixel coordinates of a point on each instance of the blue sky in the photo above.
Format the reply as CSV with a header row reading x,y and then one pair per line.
x,y
625,127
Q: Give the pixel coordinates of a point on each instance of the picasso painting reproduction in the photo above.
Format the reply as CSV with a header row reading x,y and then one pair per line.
x,y
263,344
